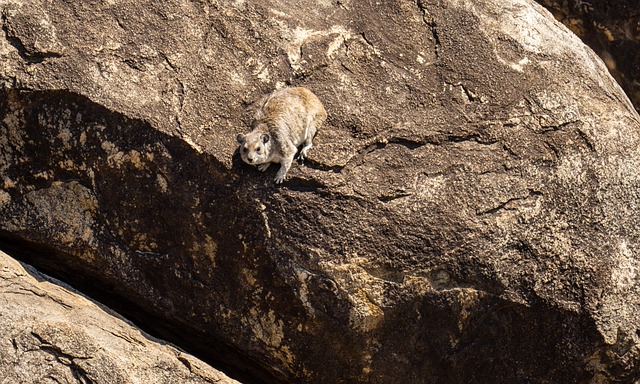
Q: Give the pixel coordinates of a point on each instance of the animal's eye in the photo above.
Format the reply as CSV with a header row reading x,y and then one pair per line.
x,y
244,149
258,149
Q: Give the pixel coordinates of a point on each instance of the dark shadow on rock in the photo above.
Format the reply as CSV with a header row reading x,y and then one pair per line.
x,y
134,218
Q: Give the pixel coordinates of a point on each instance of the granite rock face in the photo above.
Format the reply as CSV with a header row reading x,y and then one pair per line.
x,y
468,213
51,334
612,29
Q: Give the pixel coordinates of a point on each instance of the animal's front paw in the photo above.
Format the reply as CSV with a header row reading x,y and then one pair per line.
x,y
280,178
263,167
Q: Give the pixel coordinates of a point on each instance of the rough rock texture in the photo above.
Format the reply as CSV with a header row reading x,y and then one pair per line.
x,y
468,214
51,334
612,29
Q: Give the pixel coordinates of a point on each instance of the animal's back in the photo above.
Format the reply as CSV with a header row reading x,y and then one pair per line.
x,y
289,112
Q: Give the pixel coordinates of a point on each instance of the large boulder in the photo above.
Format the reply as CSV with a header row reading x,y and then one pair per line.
x,y
468,212
52,334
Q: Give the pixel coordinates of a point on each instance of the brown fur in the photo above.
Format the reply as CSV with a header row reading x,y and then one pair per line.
x,y
284,120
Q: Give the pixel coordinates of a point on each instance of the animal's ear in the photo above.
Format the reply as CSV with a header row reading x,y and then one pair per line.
x,y
240,138
265,137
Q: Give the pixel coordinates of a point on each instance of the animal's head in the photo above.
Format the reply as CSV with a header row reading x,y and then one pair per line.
x,y
255,147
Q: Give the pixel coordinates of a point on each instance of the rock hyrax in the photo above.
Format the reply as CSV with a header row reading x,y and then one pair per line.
x,y
285,119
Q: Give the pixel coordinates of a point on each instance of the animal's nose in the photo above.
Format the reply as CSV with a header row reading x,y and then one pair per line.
x,y
250,159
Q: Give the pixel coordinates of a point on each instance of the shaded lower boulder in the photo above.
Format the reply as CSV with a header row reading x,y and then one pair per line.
x,y
50,333
468,213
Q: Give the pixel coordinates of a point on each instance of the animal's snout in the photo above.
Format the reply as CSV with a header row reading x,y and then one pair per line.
x,y
251,159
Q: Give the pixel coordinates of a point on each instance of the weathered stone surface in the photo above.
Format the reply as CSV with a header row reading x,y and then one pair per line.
x,y
468,213
51,334
612,29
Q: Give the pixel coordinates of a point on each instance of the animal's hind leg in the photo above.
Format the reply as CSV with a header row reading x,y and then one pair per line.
x,y
285,163
309,133
307,144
